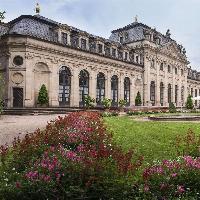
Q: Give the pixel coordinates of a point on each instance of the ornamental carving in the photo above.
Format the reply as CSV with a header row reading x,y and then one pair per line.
x,y
17,78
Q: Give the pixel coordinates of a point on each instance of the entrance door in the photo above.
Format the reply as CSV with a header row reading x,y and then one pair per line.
x,y
18,97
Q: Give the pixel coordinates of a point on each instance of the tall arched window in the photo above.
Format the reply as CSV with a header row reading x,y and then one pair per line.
x,y
64,86
127,90
152,93
176,94
169,93
83,86
100,90
114,90
182,95
161,93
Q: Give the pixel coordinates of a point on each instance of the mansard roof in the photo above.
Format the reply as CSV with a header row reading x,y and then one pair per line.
x,y
137,32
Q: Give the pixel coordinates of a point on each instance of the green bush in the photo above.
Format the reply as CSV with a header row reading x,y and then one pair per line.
x,y
172,108
75,157
89,101
122,103
107,103
43,98
138,99
189,103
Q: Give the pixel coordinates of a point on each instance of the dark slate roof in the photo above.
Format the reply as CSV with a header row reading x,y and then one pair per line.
x,y
37,17
136,33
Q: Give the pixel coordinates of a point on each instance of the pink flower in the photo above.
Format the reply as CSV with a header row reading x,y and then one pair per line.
x,y
180,189
146,188
174,174
71,155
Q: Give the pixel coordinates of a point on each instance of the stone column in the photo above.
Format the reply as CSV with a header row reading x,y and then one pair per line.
x,y
132,91
92,85
173,85
121,87
75,88
146,88
108,86
54,86
29,85
157,85
165,82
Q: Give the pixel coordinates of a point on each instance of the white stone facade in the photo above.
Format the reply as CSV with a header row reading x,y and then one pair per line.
x,y
35,51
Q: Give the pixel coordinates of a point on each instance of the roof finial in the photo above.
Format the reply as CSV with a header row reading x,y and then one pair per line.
x,y
37,8
136,19
2,15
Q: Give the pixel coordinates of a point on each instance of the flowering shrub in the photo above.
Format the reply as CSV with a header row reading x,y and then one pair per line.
x,y
73,158
188,145
173,179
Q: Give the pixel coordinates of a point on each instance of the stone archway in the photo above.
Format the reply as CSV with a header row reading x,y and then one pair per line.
x,y
41,76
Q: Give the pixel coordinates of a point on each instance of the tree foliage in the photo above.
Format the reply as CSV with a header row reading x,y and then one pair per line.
x,y
43,98
138,99
189,103
172,108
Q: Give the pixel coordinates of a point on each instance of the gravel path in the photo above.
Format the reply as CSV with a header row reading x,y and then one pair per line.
x,y
12,126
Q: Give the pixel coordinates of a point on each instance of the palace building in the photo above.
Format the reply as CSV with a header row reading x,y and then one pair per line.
x,y
72,63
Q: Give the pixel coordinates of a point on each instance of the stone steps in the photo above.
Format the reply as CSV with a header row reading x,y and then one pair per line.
x,y
39,111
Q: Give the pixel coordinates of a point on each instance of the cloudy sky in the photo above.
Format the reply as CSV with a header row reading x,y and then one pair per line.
x,y
99,17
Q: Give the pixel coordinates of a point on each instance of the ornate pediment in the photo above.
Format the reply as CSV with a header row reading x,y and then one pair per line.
x,y
171,49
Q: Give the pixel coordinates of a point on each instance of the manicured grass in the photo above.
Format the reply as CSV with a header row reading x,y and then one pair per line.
x,y
154,140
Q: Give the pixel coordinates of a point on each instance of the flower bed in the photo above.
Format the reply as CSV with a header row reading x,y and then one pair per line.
x,y
173,179
73,158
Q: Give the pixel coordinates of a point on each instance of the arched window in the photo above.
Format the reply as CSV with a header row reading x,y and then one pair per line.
x,y
100,90
127,90
64,86
114,90
83,86
152,93
153,63
169,93
182,95
161,93
176,94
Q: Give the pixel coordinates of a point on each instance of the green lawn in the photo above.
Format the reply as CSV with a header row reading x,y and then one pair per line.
x,y
154,140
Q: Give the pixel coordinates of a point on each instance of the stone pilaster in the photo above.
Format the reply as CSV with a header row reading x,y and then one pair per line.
x,y
75,88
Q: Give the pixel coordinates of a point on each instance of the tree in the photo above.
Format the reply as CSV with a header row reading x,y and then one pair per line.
x,y
138,100
189,103
172,108
43,98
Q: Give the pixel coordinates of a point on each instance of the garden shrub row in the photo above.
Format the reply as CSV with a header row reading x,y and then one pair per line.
x,y
75,157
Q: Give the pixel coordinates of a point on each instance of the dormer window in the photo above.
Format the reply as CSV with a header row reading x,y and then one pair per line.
x,y
181,72
107,50
83,43
121,39
120,55
169,68
113,52
64,38
158,41
126,36
126,56
153,63
137,59
100,48
161,66
176,70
